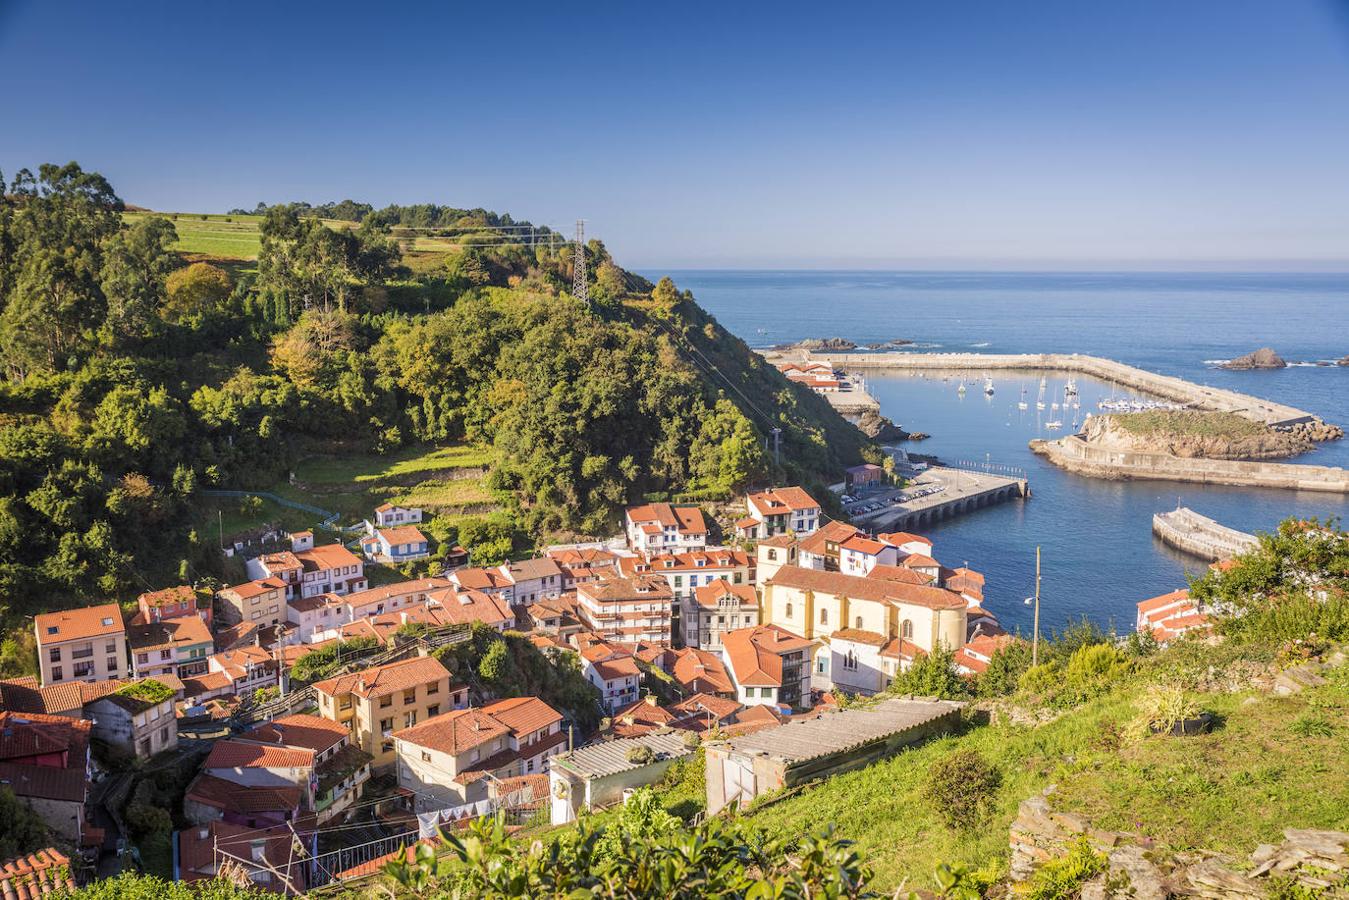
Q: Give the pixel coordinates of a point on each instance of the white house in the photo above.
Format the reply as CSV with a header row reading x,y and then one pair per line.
x,y
655,527
614,671
308,571
447,760
394,545
769,665
390,516
779,511
858,555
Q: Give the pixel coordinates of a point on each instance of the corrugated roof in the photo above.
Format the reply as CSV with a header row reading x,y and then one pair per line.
x,y
611,757
801,740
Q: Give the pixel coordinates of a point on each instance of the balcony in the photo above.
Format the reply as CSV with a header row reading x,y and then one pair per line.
x,y
82,654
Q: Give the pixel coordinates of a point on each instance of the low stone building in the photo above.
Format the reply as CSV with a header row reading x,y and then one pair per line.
x,y
137,720
597,775
803,750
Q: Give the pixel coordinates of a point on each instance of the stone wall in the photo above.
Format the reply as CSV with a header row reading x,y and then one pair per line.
x,y
1317,860
1076,455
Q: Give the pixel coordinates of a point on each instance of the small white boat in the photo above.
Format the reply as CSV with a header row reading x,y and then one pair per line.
x,y
988,386
1054,424
1054,405
961,389
1021,404
1039,404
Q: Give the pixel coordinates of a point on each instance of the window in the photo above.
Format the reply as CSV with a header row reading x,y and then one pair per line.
x,y
142,658
56,673
111,647
166,654
52,629
112,664
433,710
772,554
426,757
822,664
410,695
789,610
386,701
679,581
55,654
859,622
386,724
737,577
433,688
410,719
906,630
850,662
824,617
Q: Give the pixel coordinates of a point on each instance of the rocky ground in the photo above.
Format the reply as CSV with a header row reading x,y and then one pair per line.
x,y
1193,434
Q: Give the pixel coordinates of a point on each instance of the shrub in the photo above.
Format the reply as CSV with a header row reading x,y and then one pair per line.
x,y
1161,709
962,788
1310,726
1062,878
932,675
1005,669
640,755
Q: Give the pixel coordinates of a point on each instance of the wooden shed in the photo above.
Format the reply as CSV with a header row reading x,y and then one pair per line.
x,y
740,769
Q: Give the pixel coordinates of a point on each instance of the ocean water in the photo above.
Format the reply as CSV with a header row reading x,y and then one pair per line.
x,y
1099,555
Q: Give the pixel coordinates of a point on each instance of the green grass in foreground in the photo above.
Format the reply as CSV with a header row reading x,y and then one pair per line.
x,y
1226,791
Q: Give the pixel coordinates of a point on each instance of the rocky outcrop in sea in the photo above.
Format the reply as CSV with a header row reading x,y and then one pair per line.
x,y
1264,358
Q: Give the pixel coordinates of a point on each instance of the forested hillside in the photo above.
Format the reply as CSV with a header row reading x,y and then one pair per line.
x,y
133,380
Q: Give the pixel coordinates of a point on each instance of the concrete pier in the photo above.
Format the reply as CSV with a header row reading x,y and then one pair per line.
x,y
1200,536
1077,455
960,491
1167,387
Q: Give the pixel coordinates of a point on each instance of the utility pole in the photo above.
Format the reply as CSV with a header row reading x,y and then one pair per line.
x,y
1035,638
777,446
578,278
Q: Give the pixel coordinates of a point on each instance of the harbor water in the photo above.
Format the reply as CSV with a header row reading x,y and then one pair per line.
x,y
1099,554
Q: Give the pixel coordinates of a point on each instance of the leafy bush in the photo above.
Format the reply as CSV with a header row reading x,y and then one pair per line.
x,y
147,690
1005,668
1062,878
1312,726
712,859
1091,670
932,675
130,886
962,789
24,830
316,664
640,819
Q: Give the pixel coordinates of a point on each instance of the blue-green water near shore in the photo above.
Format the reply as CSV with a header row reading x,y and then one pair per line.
x,y
1099,554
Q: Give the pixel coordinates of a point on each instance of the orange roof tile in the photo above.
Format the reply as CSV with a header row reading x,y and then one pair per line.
x,y
78,624
378,681
37,874
300,730
859,636
788,499
242,754
686,519
756,653
708,595
874,589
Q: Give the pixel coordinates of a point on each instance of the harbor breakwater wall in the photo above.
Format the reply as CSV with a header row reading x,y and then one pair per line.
x,y
1076,455
1200,536
1167,387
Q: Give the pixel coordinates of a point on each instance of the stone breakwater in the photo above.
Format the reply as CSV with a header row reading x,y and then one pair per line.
x,y
1167,387
1076,455
1200,536
1315,860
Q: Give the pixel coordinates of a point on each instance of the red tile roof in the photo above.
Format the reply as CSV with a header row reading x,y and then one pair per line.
x,y
699,670
783,499
859,544
466,606
300,730
230,796
454,732
379,681
686,519
523,715
403,534
859,636
250,589
327,557
77,624
613,589
708,595
874,589
756,654
241,754
44,872
830,532
897,538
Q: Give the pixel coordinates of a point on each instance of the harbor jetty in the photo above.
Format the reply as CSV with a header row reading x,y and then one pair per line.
x,y
942,492
1167,387
1078,455
1200,536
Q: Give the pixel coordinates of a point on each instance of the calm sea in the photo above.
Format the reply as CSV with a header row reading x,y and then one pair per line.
x,y
1099,555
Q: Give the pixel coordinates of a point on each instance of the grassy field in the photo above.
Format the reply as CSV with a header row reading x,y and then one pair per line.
x,y
1167,422
441,480
1256,774
233,237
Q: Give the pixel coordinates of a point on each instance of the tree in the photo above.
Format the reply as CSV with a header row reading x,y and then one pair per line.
x,y
196,289
135,263
932,675
24,831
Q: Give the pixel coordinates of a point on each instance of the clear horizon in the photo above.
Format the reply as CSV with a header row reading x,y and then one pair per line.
x,y
1207,136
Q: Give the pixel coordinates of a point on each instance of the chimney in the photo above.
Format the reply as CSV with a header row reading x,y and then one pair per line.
x,y
651,700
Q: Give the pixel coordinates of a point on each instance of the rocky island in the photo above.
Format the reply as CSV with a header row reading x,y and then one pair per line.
x,y
1192,434
1264,358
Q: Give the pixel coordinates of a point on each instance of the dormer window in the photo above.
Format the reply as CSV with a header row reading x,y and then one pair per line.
x,y
52,629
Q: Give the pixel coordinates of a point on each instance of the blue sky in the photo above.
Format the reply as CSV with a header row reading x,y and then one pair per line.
x,y
902,134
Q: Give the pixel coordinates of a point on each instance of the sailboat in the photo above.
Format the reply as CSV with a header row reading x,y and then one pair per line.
x,y
1054,424
988,386
1040,400
1070,389
1021,404
961,389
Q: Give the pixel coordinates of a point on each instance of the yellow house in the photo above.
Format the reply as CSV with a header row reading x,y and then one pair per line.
x,y
815,603
375,702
